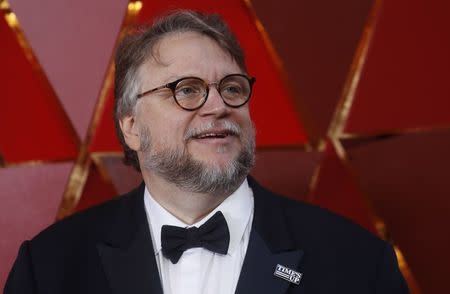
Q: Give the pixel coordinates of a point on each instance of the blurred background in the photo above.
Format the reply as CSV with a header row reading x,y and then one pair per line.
x,y
351,104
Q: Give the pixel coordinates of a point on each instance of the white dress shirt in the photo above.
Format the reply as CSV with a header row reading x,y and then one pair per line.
x,y
200,270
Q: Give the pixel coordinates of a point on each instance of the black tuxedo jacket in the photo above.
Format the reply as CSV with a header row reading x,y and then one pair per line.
x,y
108,249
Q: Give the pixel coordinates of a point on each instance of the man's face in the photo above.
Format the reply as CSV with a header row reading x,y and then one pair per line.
x,y
206,150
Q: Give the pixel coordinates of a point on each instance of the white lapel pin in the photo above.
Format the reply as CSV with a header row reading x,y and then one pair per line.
x,y
287,274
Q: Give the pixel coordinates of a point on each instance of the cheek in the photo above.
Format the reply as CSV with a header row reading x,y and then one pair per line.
x,y
244,118
248,129
161,121
168,131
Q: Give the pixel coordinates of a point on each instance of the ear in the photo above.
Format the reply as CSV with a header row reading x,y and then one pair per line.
x,y
130,132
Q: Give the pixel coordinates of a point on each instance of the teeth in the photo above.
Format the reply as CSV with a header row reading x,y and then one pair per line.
x,y
212,135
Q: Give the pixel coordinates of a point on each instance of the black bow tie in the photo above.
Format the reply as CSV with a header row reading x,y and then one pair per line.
x,y
212,235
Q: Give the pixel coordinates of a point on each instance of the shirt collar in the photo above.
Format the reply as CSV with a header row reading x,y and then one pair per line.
x,y
236,208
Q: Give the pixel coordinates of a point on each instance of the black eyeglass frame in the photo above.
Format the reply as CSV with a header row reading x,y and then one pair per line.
x,y
173,85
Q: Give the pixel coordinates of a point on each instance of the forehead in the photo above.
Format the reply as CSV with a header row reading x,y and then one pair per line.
x,y
184,54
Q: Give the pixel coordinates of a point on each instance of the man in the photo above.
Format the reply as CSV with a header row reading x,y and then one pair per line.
x,y
198,223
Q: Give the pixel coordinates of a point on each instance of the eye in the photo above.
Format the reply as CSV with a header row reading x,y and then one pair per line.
x,y
232,89
188,91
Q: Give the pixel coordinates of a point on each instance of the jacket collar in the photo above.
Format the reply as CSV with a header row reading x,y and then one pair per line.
x,y
127,253
270,245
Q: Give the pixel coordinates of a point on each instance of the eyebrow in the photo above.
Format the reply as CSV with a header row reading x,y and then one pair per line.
x,y
173,78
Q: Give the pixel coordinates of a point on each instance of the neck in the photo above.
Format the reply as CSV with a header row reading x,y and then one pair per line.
x,y
189,207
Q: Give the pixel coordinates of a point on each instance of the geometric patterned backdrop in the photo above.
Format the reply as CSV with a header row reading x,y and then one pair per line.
x,y
352,108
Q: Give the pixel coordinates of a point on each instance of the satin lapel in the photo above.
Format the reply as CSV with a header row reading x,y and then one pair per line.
x,y
257,275
131,270
127,255
271,243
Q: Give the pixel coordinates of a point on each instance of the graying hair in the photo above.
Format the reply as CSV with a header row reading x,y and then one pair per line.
x,y
137,47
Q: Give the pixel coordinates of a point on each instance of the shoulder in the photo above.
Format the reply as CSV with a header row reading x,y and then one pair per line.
x,y
334,248
309,223
66,253
89,225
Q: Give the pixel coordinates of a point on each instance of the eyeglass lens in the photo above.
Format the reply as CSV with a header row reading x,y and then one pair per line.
x,y
190,93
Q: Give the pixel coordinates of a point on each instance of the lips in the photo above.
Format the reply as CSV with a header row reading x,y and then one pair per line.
x,y
214,132
220,134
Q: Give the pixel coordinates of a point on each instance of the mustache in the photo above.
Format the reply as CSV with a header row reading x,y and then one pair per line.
x,y
230,127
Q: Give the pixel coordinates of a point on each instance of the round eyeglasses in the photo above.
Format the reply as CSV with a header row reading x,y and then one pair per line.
x,y
190,93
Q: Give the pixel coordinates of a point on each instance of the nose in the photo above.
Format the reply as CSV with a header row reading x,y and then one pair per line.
x,y
214,104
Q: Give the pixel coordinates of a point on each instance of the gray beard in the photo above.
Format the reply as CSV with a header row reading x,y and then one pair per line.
x,y
178,167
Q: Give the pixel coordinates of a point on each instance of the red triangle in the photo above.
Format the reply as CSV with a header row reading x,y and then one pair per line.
x,y
96,190
337,191
34,125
